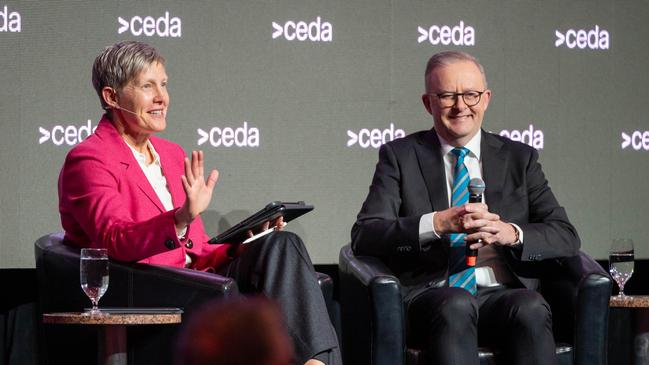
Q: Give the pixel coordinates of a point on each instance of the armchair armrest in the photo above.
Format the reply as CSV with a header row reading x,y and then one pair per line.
x,y
372,311
155,286
131,285
578,292
326,284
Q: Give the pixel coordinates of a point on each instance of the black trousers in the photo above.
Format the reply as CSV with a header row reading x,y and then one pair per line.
x,y
279,267
449,323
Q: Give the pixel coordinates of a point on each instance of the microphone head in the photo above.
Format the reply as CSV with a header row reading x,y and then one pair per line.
x,y
476,186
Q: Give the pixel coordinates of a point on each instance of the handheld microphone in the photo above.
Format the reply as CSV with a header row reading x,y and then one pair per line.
x,y
476,188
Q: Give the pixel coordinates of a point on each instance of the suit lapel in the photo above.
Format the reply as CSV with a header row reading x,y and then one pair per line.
x,y
494,171
116,144
494,166
145,187
171,173
431,164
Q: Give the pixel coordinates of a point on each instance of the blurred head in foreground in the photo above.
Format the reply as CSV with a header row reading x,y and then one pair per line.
x,y
242,331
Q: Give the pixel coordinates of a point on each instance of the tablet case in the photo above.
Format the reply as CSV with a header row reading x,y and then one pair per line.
x,y
273,210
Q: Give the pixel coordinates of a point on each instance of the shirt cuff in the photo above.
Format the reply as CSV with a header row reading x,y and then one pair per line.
x,y
182,233
426,228
520,233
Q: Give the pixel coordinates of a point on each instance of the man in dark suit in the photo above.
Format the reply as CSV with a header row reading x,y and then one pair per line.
x,y
417,219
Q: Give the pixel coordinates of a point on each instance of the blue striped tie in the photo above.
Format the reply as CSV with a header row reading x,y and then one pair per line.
x,y
460,275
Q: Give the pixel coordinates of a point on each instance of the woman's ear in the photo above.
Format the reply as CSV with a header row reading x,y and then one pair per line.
x,y
110,97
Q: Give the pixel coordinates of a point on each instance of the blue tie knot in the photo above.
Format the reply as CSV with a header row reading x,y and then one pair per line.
x,y
460,152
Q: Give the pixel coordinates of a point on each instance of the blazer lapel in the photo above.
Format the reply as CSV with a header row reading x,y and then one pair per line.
x,y
116,144
172,174
145,186
431,165
494,166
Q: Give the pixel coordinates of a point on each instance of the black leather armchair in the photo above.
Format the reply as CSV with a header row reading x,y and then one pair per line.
x,y
373,318
131,285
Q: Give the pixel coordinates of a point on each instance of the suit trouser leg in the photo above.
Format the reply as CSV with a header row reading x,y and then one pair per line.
x,y
517,323
279,266
443,321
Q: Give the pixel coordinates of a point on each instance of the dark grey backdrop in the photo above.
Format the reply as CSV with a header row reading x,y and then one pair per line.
x,y
365,71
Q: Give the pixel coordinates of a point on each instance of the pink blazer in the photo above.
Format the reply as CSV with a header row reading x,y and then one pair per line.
x,y
105,200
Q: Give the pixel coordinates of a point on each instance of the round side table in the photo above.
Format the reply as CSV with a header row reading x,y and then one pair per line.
x,y
629,301
624,315
112,329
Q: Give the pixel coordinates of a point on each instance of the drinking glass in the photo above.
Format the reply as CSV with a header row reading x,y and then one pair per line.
x,y
94,275
621,262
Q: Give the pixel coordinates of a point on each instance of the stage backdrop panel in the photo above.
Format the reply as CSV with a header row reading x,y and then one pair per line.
x,y
290,100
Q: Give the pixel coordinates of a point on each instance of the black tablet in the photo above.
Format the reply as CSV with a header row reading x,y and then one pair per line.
x,y
238,232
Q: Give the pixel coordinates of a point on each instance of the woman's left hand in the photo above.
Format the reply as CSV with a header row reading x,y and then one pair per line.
x,y
198,191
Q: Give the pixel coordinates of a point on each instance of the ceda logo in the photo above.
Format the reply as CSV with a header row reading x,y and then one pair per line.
x,y
10,20
314,31
458,35
163,26
595,38
532,137
374,137
68,135
638,140
243,136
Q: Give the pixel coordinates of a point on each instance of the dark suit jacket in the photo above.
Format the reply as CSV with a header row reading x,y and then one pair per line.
x,y
409,181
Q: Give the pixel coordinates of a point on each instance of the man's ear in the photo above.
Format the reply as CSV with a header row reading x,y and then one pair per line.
x,y
425,98
110,97
486,98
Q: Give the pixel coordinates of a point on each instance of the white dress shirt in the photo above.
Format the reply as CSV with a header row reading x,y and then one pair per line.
x,y
491,270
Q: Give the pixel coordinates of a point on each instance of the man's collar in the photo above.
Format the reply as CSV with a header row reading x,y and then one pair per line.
x,y
473,146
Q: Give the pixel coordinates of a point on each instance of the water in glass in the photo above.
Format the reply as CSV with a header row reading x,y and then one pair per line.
x,y
94,275
621,262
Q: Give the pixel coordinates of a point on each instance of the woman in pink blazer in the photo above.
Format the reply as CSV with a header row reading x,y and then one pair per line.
x,y
140,197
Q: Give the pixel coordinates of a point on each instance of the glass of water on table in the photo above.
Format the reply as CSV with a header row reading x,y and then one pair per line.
x,y
94,275
620,261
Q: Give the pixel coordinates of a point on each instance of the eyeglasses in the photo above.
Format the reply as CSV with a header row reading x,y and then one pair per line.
x,y
470,98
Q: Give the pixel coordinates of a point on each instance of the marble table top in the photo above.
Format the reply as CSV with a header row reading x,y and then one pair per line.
x,y
630,301
111,318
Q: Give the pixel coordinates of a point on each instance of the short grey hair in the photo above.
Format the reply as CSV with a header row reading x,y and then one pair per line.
x,y
442,59
120,63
